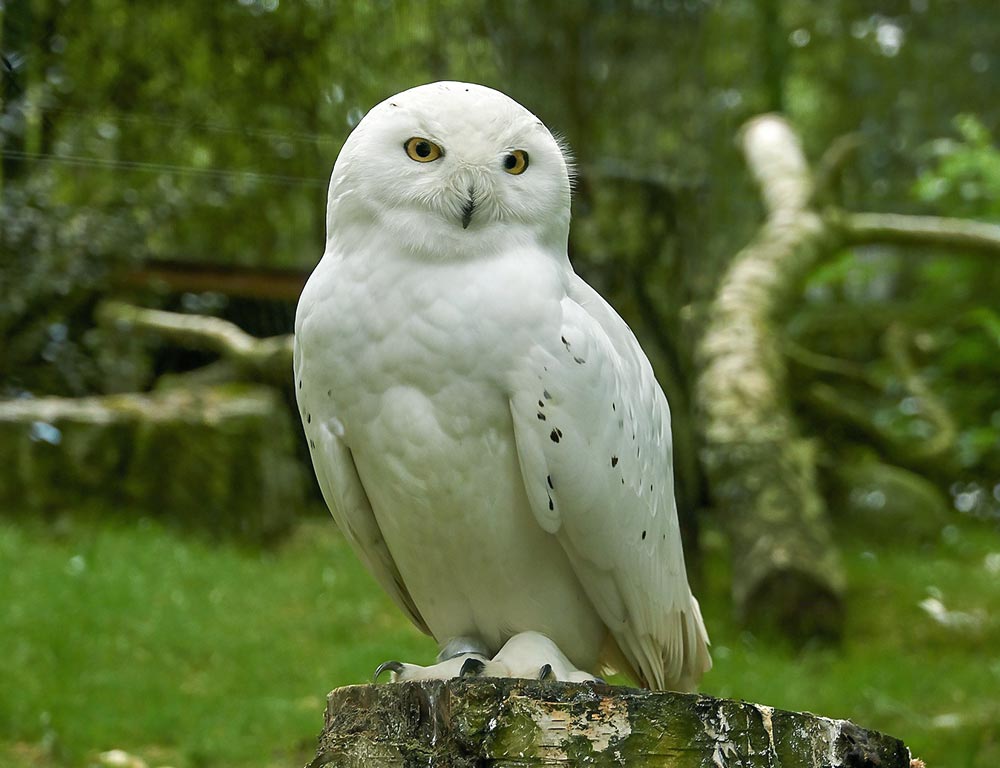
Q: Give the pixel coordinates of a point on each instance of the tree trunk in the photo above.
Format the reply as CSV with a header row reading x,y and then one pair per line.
x,y
503,722
761,471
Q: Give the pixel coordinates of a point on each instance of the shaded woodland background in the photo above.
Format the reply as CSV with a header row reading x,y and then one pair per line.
x,y
177,154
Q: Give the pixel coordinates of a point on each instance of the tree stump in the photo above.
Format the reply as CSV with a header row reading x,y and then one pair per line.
x,y
505,722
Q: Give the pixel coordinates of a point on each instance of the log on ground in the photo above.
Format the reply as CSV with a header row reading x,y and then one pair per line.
x,y
503,722
215,459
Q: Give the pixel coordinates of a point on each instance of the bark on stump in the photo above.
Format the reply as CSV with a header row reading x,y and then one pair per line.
x,y
502,722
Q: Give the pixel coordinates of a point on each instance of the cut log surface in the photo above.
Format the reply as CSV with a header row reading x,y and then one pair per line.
x,y
502,722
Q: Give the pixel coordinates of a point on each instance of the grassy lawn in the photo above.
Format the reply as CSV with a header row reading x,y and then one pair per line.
x,y
127,635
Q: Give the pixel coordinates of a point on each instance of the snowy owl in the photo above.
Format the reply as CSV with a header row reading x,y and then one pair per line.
x,y
485,428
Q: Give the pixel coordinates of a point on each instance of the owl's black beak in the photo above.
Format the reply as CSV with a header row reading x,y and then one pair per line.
x,y
467,210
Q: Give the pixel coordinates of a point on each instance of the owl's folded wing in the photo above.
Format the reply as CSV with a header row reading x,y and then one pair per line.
x,y
593,437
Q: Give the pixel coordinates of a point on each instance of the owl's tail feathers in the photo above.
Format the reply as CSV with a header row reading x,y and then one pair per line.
x,y
614,661
675,660
697,660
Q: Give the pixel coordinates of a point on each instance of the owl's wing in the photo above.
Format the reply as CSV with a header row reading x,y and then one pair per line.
x,y
348,502
593,436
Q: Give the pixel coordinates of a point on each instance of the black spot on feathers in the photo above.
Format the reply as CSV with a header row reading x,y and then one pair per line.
x,y
546,395
643,535
541,416
564,341
548,479
300,383
555,434
579,360
541,404
309,418
552,504
312,444
614,461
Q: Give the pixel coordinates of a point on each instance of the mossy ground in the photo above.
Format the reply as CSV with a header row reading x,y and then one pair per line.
x,y
128,635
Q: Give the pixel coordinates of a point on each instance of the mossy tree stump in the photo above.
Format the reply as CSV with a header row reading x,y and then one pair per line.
x,y
502,722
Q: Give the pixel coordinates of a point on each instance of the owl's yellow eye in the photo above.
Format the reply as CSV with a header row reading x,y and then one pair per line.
x,y
422,150
516,162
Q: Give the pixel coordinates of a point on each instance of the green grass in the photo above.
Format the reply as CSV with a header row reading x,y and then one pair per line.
x,y
127,635
185,653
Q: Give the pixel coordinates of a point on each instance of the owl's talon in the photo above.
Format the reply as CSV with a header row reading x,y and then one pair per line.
x,y
395,667
546,673
472,667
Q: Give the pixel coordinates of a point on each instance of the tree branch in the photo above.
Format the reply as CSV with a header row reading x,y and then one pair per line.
x,y
267,360
902,229
941,444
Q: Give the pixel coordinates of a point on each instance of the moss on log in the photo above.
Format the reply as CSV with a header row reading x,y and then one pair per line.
x,y
216,459
502,722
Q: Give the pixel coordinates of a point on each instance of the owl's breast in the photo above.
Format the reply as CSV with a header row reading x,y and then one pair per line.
x,y
449,331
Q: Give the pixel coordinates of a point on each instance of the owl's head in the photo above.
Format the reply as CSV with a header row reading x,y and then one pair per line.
x,y
449,169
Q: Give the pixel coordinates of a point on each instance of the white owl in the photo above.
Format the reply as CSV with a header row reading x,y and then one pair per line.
x,y
485,428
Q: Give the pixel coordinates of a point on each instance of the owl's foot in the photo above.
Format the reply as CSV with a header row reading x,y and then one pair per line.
x,y
459,657
526,655
464,665
533,655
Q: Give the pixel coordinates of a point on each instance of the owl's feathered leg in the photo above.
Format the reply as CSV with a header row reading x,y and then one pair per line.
x,y
533,655
463,644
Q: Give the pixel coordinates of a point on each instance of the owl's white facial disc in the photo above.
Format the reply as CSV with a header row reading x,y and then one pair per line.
x,y
467,199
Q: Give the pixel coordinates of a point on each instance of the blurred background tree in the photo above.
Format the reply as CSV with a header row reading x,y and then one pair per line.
x,y
199,133
179,151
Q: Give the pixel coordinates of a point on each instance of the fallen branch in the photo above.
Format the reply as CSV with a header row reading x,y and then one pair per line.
x,y
268,360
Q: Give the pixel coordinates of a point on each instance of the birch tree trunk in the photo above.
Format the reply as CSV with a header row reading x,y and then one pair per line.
x,y
761,471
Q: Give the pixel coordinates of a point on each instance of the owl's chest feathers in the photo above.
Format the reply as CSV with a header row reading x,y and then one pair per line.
x,y
430,341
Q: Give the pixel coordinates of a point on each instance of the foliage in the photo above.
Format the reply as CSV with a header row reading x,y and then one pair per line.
x,y
946,302
57,260
963,176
